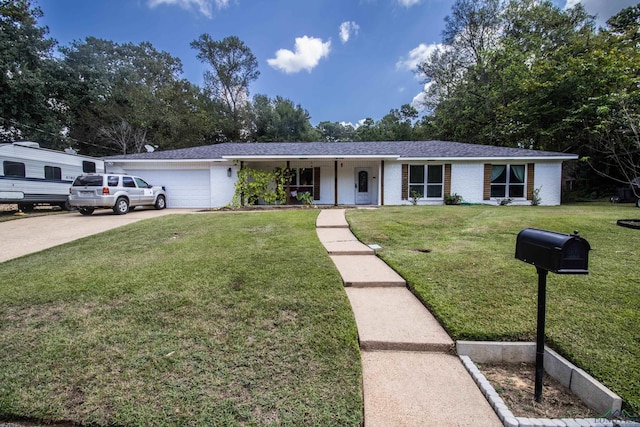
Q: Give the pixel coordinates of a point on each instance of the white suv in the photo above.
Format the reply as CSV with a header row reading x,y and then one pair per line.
x,y
113,191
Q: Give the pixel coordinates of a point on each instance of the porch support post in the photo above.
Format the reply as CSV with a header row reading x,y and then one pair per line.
x,y
241,192
335,183
288,189
381,175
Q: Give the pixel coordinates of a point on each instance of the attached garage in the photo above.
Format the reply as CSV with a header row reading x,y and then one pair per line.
x,y
188,184
349,173
185,189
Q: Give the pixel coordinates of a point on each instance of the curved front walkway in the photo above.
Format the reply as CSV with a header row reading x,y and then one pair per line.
x,y
411,376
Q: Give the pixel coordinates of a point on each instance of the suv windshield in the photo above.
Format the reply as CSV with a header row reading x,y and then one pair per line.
x,y
88,181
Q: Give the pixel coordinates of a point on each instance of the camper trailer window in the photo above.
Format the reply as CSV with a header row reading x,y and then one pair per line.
x,y
52,172
88,167
13,169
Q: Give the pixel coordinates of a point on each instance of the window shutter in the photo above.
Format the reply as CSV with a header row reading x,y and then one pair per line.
x,y
316,183
487,181
447,178
405,181
531,167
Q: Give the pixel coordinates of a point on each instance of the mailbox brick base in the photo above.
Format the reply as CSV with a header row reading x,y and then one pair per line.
x,y
589,390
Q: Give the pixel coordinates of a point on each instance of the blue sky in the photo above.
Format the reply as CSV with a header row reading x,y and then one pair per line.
x,y
342,60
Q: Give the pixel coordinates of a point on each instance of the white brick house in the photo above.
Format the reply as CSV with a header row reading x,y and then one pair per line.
x,y
355,173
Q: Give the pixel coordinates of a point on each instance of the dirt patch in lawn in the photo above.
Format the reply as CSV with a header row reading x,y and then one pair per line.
x,y
515,384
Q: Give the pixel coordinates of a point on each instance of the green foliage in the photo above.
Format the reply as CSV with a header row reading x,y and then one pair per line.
x,y
535,198
280,120
527,74
452,199
233,68
254,185
335,132
29,77
305,198
398,125
123,96
414,196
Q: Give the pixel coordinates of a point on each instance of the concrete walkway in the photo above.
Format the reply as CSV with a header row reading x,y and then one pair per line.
x,y
410,375
32,234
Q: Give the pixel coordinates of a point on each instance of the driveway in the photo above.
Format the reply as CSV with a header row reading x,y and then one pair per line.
x,y
27,235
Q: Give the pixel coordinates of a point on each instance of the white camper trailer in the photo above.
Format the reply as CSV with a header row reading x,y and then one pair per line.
x,y
30,175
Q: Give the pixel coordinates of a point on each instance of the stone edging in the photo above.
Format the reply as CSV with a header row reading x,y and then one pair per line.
x,y
592,392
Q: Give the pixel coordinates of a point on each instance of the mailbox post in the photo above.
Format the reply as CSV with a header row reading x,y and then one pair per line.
x,y
556,252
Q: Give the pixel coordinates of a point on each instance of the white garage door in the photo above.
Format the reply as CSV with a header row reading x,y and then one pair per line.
x,y
185,189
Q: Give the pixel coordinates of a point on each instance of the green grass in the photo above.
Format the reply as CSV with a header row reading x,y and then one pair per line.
x,y
468,276
209,319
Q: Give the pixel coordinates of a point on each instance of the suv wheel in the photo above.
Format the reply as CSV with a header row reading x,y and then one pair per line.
x,y
121,207
86,211
66,206
161,203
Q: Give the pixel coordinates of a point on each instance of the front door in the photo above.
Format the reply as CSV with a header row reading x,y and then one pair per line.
x,y
363,186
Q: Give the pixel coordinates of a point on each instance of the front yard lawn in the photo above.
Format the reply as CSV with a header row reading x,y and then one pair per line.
x,y
208,319
460,262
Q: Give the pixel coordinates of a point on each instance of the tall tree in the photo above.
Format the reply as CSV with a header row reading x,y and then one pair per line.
x,y
398,124
134,92
234,67
279,119
29,104
335,131
473,29
615,60
494,98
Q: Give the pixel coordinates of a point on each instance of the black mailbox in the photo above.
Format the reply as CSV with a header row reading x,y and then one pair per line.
x,y
552,251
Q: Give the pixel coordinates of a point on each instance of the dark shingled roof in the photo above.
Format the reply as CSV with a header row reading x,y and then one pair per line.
x,y
385,149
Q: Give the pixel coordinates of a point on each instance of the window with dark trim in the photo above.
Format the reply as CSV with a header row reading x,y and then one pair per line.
x,y
88,167
508,181
15,169
52,172
426,181
301,180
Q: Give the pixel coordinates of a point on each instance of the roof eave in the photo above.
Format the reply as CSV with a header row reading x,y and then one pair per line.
x,y
485,158
314,157
165,160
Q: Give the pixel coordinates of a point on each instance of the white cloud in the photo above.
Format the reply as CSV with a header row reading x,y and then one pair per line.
x,y
346,29
308,53
205,7
408,3
571,3
417,56
420,100
603,9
